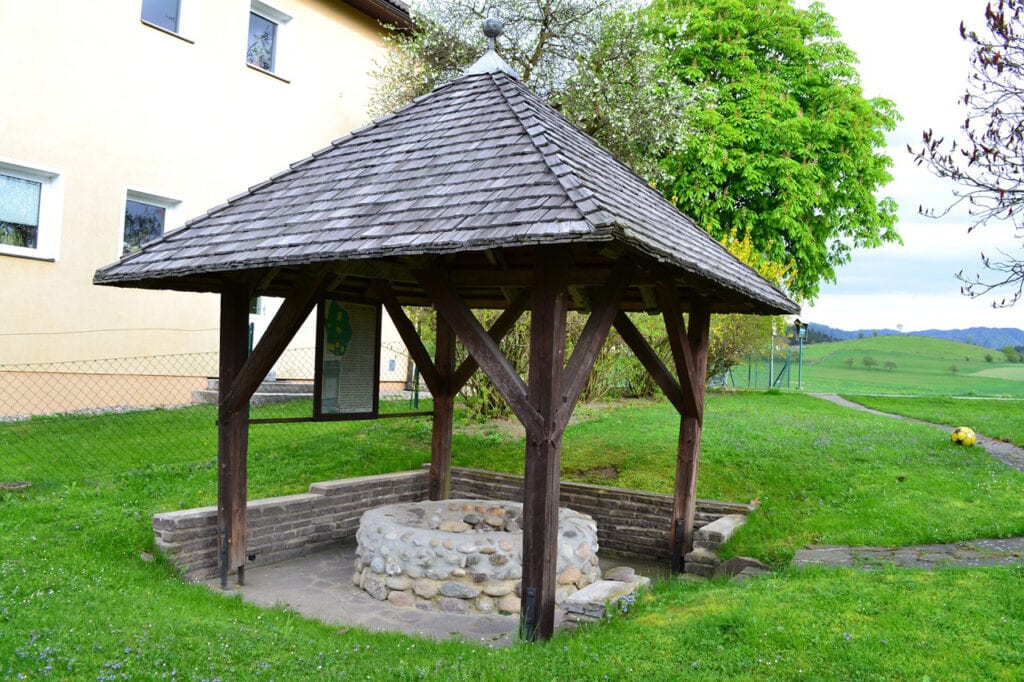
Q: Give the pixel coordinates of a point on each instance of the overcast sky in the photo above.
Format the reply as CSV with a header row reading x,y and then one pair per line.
x,y
910,51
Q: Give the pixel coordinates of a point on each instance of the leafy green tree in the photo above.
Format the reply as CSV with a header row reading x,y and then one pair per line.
x,y
781,140
985,157
1011,353
748,114
890,365
869,362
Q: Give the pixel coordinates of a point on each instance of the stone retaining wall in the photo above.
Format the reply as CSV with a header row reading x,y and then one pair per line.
x,y
629,522
284,527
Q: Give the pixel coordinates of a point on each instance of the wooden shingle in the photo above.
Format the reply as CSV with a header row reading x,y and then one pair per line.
x,y
479,164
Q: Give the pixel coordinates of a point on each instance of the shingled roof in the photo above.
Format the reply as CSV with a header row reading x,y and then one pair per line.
x,y
479,165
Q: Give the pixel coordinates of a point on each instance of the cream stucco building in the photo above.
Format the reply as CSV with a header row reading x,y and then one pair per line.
x,y
123,118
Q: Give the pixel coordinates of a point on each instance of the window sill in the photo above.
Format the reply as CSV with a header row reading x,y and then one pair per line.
x,y
26,254
167,32
268,73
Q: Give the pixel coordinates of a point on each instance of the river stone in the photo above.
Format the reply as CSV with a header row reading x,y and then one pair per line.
x,y
622,574
454,527
377,564
494,521
425,588
472,518
569,576
452,605
397,598
459,590
375,587
509,604
485,604
397,582
498,589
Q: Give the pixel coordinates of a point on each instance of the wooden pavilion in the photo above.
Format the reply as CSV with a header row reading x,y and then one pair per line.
x,y
477,195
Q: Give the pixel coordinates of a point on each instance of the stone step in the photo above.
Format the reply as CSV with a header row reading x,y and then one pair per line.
x,y
717,533
304,387
603,597
267,393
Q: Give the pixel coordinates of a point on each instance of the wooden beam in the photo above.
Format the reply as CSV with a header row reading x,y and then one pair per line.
x,y
444,413
232,435
544,445
411,339
523,277
650,360
690,384
498,331
290,316
684,501
592,338
480,346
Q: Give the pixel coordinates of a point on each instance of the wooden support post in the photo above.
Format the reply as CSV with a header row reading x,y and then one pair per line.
x,y
692,367
232,435
444,413
543,445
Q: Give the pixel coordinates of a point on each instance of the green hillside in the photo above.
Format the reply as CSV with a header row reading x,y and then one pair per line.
x,y
910,365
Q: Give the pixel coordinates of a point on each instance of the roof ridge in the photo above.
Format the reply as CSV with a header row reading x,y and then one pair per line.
x,y
577,192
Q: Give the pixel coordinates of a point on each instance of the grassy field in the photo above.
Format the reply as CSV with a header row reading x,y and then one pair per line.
x,y
999,419
78,602
918,366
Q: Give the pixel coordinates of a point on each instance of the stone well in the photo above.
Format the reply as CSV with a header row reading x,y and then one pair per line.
x,y
463,555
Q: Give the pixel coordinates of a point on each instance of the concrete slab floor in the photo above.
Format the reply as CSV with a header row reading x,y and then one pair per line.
x,y
319,586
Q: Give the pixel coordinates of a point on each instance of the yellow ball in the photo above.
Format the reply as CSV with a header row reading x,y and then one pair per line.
x,y
963,435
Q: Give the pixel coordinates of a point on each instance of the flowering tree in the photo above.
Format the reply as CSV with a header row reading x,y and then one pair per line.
x,y
986,157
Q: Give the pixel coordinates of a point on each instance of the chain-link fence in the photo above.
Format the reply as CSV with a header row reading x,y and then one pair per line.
x,y
87,419
761,372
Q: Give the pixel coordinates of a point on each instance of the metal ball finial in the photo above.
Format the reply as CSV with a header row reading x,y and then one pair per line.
x,y
492,27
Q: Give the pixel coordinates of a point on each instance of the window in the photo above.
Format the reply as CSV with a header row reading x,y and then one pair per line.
x,y
146,217
19,211
30,211
162,13
265,28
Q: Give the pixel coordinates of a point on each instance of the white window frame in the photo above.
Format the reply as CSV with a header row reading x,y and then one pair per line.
x,y
188,20
51,209
281,20
173,214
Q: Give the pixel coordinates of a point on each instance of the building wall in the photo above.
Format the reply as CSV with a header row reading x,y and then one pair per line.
x,y
112,104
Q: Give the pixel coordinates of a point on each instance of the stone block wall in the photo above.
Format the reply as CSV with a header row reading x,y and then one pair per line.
x,y
284,527
630,523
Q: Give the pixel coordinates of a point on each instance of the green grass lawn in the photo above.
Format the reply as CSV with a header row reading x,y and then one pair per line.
x,y
922,367
77,601
1000,419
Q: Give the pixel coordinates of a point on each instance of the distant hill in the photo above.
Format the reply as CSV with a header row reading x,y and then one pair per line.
x,y
988,337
